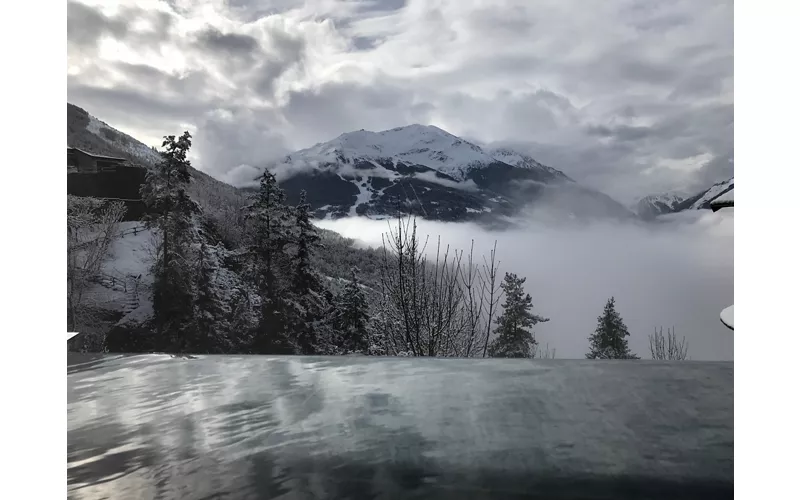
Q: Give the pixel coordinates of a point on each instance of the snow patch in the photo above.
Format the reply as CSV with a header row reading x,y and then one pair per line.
x,y
364,195
125,281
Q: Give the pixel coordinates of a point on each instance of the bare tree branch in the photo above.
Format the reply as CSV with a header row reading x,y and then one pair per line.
x,y
667,348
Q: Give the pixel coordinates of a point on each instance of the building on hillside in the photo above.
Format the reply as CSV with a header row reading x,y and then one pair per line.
x,y
83,162
106,177
725,201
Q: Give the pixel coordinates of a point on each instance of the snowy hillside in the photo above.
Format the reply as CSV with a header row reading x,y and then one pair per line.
x,y
427,171
517,159
123,141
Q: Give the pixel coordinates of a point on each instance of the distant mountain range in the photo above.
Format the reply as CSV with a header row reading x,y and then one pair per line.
x,y
653,206
417,169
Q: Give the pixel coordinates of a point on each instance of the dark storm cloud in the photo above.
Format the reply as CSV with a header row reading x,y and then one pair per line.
x,y
365,42
227,44
504,23
719,167
228,138
317,115
86,25
622,133
287,51
123,101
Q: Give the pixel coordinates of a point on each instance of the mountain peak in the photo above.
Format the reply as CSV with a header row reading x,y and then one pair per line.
x,y
414,144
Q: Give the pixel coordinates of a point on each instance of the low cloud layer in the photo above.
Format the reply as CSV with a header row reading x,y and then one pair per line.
x,y
675,273
622,95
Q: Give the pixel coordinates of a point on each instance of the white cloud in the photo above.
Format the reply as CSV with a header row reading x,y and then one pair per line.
x,y
431,177
678,273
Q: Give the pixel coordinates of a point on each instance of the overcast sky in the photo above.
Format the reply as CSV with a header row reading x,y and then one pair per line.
x,y
628,96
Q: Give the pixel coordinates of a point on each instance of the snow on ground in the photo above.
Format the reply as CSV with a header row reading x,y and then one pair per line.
x,y
126,280
130,254
727,316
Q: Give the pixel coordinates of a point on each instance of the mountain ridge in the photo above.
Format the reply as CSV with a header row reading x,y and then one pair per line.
x,y
416,169
427,171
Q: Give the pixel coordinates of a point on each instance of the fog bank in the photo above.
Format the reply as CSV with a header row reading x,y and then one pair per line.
x,y
677,272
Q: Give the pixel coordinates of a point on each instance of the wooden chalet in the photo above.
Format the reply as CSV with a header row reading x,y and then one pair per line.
x,y
81,161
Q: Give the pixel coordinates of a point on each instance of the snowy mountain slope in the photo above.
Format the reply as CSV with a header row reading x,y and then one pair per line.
x,y
413,145
86,132
429,172
520,160
654,205
122,292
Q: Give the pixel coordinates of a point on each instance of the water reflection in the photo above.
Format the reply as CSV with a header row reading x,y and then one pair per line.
x,y
260,427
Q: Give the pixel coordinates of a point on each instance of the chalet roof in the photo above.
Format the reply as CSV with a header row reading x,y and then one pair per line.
x,y
726,316
99,157
722,201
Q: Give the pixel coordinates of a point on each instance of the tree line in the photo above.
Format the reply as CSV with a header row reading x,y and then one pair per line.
x,y
268,294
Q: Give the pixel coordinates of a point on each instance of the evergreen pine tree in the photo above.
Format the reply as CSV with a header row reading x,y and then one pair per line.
x,y
305,279
171,210
352,318
309,301
609,340
514,338
269,218
209,322
270,221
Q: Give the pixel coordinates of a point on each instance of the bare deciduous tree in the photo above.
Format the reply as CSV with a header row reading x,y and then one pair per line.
x,y
545,353
437,306
92,226
667,348
492,293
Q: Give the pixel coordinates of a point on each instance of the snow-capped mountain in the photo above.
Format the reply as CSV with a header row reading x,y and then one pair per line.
x,y
425,170
413,145
654,205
